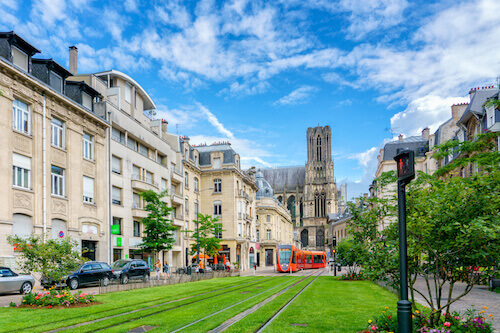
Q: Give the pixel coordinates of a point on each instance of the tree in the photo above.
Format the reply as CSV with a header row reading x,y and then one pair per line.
x,y
54,258
351,254
158,229
208,229
453,225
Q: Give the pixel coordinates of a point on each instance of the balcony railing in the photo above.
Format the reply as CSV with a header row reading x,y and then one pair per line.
x,y
174,191
242,194
144,179
175,170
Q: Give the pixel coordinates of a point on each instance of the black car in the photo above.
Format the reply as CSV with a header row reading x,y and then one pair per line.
x,y
126,269
91,272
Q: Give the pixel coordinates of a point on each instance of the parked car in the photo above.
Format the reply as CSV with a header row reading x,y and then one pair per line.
x,y
13,282
126,269
91,272
192,269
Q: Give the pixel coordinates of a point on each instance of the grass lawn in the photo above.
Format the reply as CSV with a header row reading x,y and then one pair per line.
x,y
327,305
330,305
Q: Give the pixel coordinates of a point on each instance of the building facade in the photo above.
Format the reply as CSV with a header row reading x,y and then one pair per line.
x,y
55,156
310,192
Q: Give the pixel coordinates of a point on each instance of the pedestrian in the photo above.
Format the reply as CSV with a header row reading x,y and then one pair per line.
x,y
158,269
201,267
166,270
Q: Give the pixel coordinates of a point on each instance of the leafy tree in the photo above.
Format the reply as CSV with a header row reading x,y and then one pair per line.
x,y
208,228
54,258
453,225
158,229
351,254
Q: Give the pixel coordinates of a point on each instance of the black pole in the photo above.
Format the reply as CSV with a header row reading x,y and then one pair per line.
x,y
404,306
335,264
197,243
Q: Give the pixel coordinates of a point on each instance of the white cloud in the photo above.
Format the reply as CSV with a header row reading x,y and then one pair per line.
x,y
365,157
298,96
212,119
130,5
49,11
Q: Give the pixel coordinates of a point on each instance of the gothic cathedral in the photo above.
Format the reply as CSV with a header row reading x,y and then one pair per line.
x,y
310,192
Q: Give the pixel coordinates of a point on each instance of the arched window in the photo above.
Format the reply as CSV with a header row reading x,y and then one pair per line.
x,y
21,225
196,184
304,237
318,148
217,186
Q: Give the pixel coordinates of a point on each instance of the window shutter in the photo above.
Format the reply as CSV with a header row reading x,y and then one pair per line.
x,y
117,193
117,164
21,161
88,187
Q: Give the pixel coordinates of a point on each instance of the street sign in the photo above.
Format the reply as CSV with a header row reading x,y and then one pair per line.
x,y
405,161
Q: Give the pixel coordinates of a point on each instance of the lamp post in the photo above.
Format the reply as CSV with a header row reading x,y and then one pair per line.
x,y
405,161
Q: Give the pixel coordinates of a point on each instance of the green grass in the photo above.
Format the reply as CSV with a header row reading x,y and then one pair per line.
x,y
330,305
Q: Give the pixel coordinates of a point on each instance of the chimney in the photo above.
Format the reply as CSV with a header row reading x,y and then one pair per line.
x,y
400,137
425,133
457,110
73,60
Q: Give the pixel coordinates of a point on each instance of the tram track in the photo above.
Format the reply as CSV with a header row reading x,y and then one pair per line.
x,y
133,305
221,290
277,313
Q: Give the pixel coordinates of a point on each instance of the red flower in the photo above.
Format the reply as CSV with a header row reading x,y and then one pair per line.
x,y
50,306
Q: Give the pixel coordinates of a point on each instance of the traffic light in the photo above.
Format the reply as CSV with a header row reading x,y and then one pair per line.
x,y
334,241
405,162
333,251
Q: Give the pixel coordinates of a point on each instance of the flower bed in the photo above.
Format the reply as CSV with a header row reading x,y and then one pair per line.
x,y
353,276
472,321
53,297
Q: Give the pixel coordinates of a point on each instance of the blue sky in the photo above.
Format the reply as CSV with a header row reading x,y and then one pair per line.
x,y
259,73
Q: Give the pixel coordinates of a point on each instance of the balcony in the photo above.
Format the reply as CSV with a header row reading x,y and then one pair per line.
x,y
141,184
273,242
138,212
176,175
178,220
176,198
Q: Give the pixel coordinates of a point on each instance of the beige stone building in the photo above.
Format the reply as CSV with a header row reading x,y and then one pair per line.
x,y
274,224
55,160
215,183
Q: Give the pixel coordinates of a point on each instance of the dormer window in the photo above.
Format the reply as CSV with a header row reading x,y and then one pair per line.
x,y
56,82
20,58
86,100
216,163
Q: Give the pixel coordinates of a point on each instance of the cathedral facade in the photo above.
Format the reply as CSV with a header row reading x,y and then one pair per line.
x,y
309,192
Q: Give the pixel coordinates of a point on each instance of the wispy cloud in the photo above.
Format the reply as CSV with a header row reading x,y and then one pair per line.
x,y
298,96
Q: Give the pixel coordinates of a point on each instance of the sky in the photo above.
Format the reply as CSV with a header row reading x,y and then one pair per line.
x,y
259,73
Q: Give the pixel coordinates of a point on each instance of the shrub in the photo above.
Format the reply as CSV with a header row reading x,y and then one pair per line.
x,y
353,276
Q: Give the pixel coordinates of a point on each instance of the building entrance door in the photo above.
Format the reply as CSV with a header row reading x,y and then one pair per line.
x,y
88,249
269,257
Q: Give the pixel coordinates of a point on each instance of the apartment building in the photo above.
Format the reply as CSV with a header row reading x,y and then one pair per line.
x,y
141,152
274,224
215,184
55,161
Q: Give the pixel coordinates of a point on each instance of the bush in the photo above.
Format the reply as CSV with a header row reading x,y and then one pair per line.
x,y
53,297
353,276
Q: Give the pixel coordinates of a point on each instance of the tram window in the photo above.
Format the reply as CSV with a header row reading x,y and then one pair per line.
x,y
293,257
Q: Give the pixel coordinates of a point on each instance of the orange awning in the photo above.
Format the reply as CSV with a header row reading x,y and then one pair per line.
x,y
202,256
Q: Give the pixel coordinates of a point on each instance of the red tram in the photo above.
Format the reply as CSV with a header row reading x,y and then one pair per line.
x,y
290,258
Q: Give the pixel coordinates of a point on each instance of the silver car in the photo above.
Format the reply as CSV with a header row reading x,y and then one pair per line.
x,y
12,282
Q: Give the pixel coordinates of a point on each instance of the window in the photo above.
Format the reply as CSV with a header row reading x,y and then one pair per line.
x,y
149,177
21,175
116,195
136,201
186,180
117,135
136,172
19,58
218,231
239,229
56,82
161,159
268,218
216,163
137,229
163,184
268,234
257,234
116,165
217,208
57,178
143,150
88,189
86,101
57,130
88,146
196,184
118,221
239,209
186,206
128,92
217,186
131,143
21,117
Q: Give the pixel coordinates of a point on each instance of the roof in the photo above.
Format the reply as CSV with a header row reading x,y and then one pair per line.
x,y
265,189
148,102
289,177
204,151
85,87
475,106
416,143
57,68
19,41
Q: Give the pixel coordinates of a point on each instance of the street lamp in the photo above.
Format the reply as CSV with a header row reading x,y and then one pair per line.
x,y
405,162
197,231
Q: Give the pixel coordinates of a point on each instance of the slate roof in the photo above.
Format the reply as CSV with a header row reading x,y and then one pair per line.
x,y
291,177
475,106
228,153
416,143
265,189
